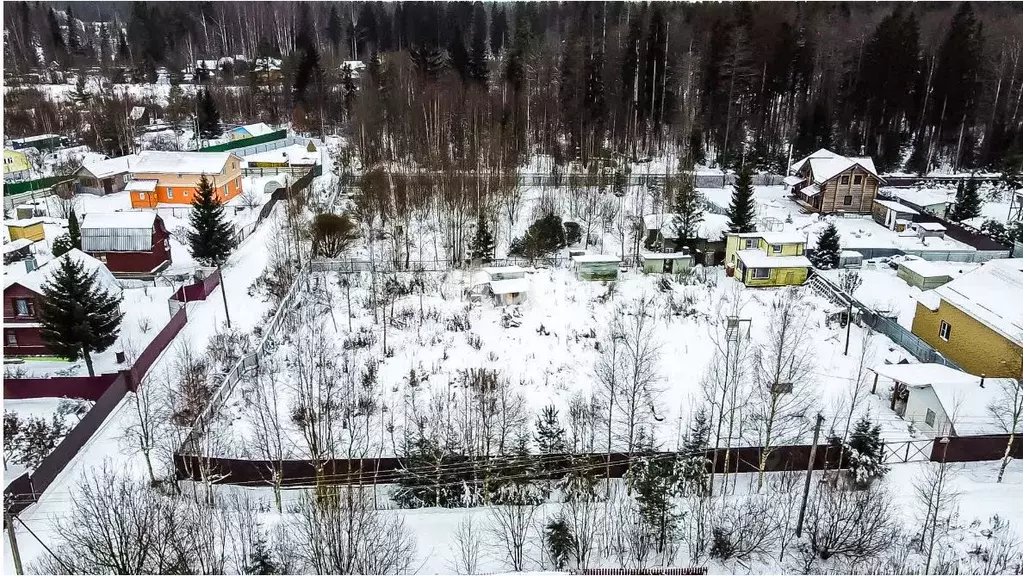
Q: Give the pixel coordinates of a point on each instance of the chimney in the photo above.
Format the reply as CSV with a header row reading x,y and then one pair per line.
x,y
30,264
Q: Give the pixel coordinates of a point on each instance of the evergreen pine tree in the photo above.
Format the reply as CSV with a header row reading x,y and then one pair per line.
x,y
482,246
260,559
61,245
691,467
559,542
688,208
864,451
73,43
968,201
829,248
542,237
211,239
334,28
550,435
458,57
123,54
74,232
498,30
57,38
743,209
478,70
77,314
654,481
104,45
209,116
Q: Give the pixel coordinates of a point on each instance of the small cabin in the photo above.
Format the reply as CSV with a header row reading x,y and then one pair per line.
x,y
17,250
29,229
596,266
892,215
850,259
665,262
923,274
506,285
928,229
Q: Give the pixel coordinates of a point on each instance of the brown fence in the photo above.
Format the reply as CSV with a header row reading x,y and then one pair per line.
x,y
296,473
975,448
199,290
667,571
82,387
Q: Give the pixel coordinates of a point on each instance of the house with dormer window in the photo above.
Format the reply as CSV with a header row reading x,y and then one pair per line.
x,y
829,183
767,258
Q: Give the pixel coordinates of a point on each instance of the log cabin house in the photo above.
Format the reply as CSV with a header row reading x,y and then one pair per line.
x,y
828,183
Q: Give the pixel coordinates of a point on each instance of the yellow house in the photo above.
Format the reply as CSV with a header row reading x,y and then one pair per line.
x,y
767,258
16,165
29,228
976,320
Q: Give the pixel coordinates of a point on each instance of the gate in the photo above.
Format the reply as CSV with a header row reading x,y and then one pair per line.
x,y
908,451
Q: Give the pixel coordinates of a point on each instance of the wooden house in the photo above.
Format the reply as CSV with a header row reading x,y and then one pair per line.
x,y
173,177
103,177
828,183
707,248
127,241
16,166
767,258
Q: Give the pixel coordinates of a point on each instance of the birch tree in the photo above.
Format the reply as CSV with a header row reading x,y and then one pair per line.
x,y
1007,410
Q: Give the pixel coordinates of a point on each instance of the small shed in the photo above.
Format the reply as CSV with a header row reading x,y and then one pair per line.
x,y
17,250
665,262
507,285
597,266
928,229
888,213
850,259
923,274
29,229
135,241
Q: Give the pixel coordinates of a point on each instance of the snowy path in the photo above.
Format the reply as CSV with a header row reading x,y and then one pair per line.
x,y
106,446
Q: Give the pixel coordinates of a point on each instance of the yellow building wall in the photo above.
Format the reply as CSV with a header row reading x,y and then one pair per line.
x,y
734,243
15,161
972,345
33,232
779,277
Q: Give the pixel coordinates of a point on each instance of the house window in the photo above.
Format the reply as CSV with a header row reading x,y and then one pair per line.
x,y
945,331
845,180
170,193
12,339
847,200
776,248
858,179
929,419
761,273
24,307
142,195
751,243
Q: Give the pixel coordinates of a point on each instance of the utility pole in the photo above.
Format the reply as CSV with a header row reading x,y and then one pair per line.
x,y
223,293
15,553
809,475
848,326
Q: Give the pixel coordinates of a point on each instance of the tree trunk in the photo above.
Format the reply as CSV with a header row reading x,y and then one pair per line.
x,y
88,361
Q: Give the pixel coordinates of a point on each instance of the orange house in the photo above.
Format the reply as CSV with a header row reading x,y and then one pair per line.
x,y
173,177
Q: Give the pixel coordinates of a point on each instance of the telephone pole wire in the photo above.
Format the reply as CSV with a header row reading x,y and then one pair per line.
x,y
809,475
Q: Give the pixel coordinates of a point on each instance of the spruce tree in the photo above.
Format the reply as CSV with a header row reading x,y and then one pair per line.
x,y
77,314
482,246
654,481
829,248
550,435
57,37
211,238
688,207
968,201
209,116
74,232
61,245
742,210
334,28
73,44
559,542
691,467
260,559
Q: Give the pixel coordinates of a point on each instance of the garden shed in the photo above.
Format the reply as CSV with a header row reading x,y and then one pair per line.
x,y
29,228
596,266
923,274
850,259
665,262
507,285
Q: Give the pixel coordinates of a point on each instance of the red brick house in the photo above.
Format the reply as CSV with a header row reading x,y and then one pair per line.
x,y
21,303
127,241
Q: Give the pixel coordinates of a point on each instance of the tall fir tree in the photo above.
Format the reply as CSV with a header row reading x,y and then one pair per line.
x,y
60,53
478,67
828,252
458,57
74,231
688,208
498,30
482,246
211,238
209,116
968,202
335,29
549,435
78,316
655,483
742,211
560,543
104,46
260,559
74,45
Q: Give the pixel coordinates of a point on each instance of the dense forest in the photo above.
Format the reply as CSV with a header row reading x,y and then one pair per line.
x,y
463,85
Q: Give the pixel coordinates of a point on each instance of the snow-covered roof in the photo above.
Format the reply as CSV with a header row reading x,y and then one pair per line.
x,y
758,259
918,197
595,258
811,190
711,228
142,219
110,166
16,245
929,300
851,254
924,373
160,162
663,255
895,206
925,268
503,270
257,129
37,138
141,185
966,405
775,237
353,64
930,226
510,286
992,294
792,180
297,154
826,164
25,222
35,280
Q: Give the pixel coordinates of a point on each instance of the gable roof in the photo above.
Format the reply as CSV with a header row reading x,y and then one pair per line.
x,y
35,280
896,207
990,294
122,220
118,231
161,162
826,164
110,166
712,228
924,373
257,129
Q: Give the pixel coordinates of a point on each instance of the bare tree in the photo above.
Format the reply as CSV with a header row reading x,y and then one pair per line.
x,y
640,356
748,528
783,394
149,422
62,205
468,546
1007,410
585,521
610,373
252,197
697,525
510,526
852,525
936,506
269,437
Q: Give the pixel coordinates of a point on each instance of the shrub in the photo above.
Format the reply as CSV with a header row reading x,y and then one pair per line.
x,y
573,233
333,234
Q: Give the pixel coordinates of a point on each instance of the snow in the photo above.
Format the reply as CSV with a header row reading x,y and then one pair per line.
x,y
111,166
930,226
105,220
510,286
35,280
297,154
992,295
926,373
154,161
827,164
595,258
663,255
967,404
895,206
921,197
257,129
712,227
792,180
759,259
811,191
924,268
141,185
16,245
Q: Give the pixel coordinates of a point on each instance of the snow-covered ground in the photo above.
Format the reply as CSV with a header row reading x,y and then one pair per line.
x,y
39,408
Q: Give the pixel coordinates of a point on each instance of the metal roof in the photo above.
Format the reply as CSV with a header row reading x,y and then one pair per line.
x,y
118,232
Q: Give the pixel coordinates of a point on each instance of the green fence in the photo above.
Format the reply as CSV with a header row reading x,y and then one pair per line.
x,y
32,185
244,142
